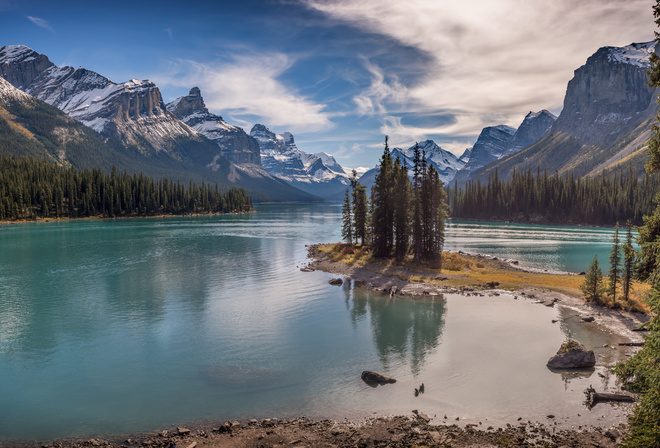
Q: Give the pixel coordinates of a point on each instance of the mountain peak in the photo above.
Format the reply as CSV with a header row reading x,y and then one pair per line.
x,y
187,105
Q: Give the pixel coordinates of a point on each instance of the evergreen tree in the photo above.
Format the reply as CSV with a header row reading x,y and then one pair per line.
x,y
382,210
360,209
417,205
347,219
615,261
592,288
628,262
401,200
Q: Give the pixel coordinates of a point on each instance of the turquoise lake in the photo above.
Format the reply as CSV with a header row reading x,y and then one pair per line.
x,y
110,327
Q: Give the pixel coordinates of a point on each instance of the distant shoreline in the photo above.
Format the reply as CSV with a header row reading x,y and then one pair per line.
x,y
99,218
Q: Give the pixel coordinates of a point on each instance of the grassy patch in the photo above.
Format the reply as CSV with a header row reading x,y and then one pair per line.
x,y
473,272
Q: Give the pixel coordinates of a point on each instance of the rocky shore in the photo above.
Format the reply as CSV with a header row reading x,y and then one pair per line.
x,y
394,432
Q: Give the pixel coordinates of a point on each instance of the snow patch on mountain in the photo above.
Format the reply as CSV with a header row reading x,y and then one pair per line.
x,y
11,93
637,54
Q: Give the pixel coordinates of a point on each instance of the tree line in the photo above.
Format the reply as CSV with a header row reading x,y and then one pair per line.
x,y
565,199
403,215
31,188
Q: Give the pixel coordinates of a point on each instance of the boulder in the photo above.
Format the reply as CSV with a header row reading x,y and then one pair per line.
x,y
572,356
336,281
374,377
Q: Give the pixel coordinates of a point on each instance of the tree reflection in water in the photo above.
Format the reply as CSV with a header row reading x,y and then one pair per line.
x,y
402,327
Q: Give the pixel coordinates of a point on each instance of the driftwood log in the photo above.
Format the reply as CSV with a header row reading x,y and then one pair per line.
x,y
631,344
594,397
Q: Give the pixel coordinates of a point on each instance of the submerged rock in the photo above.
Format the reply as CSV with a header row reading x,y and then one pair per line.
x,y
336,281
374,377
572,355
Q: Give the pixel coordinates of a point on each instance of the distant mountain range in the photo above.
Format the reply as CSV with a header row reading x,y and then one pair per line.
x,y
79,117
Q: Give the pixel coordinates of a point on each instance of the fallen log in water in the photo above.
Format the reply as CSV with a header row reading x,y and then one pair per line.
x,y
594,397
631,344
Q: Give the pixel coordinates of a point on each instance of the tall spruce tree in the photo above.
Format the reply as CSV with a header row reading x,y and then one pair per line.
x,y
360,209
347,219
401,200
641,371
628,262
382,210
592,288
417,205
615,261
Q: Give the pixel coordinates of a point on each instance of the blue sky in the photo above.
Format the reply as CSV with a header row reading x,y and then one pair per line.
x,y
340,74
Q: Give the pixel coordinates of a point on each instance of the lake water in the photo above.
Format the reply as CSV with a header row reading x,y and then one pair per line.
x,y
121,326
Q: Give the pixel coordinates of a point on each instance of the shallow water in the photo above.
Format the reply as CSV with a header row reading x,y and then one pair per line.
x,y
119,326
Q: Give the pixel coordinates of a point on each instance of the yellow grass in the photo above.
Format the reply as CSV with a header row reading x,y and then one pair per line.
x,y
464,271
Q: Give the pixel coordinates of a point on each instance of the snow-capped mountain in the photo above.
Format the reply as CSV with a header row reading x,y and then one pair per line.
x,y
234,143
444,162
318,173
133,110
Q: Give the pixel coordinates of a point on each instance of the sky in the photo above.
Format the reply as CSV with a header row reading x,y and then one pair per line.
x,y
340,74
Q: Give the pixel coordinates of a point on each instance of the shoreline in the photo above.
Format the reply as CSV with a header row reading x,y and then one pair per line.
x,y
100,218
391,431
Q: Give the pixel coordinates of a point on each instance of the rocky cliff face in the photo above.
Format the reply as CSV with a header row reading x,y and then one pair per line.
x,y
493,143
319,174
20,65
531,130
234,143
608,94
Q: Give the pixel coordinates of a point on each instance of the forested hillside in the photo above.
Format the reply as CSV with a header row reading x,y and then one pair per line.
x,y
563,199
32,188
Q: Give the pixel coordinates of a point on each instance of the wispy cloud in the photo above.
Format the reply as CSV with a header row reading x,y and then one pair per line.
x,y
247,88
169,32
487,59
41,23
381,91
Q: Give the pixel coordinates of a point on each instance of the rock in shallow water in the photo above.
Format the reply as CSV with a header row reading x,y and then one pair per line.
x,y
574,358
374,377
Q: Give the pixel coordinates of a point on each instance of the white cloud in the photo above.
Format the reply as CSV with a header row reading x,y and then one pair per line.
x,y
247,86
169,32
41,23
488,58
